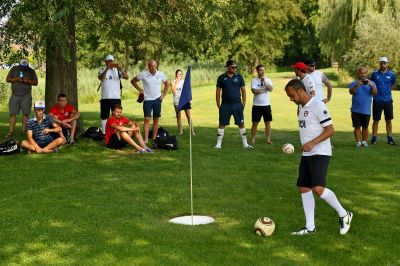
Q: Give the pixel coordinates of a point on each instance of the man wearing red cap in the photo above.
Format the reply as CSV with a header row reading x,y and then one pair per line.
x,y
301,72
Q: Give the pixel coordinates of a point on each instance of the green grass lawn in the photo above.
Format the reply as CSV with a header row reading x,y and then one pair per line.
x,y
88,205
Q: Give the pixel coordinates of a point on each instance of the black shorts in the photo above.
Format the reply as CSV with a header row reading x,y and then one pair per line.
x,y
261,111
227,110
378,106
107,105
152,105
115,143
360,120
313,170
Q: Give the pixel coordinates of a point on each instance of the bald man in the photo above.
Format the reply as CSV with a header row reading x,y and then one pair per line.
x,y
152,80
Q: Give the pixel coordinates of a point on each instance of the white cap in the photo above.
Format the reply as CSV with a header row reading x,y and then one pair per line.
x,y
24,62
39,104
383,59
109,58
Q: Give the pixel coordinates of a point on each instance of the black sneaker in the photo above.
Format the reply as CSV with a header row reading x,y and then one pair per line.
x,y
304,231
390,141
374,140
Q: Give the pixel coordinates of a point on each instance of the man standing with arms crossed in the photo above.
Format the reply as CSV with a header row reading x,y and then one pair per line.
x,y
152,79
261,86
385,81
316,128
319,79
22,78
231,84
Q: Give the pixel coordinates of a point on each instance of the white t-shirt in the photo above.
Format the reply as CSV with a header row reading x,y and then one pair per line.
x,y
319,78
110,86
308,83
151,84
263,98
178,91
313,117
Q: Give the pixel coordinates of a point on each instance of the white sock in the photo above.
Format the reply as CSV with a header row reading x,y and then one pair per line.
x,y
242,132
332,200
220,135
309,209
103,125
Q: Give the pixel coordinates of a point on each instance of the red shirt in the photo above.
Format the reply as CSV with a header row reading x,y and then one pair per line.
x,y
122,121
61,115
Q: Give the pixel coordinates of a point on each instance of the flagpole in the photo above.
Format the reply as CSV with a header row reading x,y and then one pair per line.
x,y
191,166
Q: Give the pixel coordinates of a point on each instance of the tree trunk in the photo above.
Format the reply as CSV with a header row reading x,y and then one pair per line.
x,y
127,55
61,69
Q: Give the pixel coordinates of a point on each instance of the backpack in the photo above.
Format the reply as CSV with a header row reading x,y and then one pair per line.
x,y
9,147
164,140
94,133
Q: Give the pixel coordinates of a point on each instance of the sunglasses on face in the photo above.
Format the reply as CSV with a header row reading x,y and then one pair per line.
x,y
233,67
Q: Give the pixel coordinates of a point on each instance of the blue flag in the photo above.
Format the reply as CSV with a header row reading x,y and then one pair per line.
x,y
186,95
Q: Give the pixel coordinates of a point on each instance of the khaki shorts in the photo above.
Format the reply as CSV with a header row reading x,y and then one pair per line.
x,y
20,103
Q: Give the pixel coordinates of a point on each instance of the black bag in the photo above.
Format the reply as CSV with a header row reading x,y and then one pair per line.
x,y
9,147
94,133
162,133
168,143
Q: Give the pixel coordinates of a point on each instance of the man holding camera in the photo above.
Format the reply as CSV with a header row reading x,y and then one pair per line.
x,y
111,88
22,78
362,90
385,81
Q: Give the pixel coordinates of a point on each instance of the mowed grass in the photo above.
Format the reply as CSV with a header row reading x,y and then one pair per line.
x,y
88,205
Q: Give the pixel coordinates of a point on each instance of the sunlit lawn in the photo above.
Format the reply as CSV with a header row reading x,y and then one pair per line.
x,y
87,205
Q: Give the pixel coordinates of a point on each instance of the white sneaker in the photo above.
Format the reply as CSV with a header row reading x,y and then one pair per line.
x,y
345,223
365,144
217,147
304,231
358,144
248,147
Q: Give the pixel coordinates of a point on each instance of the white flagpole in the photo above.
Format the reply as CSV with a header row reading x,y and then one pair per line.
x,y
191,166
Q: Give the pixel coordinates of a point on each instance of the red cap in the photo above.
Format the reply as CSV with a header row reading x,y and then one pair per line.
x,y
300,65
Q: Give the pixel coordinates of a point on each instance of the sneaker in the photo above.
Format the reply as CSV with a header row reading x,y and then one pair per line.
x,y
249,147
358,144
217,147
304,231
365,144
148,150
345,223
142,151
390,141
374,140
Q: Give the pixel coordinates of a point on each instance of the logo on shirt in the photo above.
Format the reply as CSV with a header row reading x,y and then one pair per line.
x,y
305,113
325,112
302,123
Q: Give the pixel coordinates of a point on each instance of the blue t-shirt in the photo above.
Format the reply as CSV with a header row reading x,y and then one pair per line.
x,y
37,128
384,82
362,98
230,87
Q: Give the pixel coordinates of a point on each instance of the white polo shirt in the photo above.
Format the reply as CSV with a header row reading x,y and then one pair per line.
x,y
313,117
151,84
319,78
263,98
308,83
110,86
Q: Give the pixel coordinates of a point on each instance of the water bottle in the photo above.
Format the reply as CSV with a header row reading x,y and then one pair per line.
x,y
21,74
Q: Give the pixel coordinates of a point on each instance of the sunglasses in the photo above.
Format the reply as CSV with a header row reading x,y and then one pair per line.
x,y
233,67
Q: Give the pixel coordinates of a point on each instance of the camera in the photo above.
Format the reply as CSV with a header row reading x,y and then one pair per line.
x,y
365,81
113,65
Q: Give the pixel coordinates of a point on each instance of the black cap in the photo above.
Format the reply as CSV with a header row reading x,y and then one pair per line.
x,y
230,62
310,61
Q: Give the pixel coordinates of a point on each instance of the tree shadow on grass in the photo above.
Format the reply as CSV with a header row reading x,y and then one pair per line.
x,y
91,205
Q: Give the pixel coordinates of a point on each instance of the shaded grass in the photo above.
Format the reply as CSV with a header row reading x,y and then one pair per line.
x,y
87,205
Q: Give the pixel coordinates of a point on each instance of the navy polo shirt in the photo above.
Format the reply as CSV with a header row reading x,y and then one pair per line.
x,y
230,87
37,128
362,98
384,82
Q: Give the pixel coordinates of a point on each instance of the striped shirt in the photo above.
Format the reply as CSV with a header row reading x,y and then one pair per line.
x,y
37,129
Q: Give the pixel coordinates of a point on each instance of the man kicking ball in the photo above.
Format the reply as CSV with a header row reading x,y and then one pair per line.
x,y
316,128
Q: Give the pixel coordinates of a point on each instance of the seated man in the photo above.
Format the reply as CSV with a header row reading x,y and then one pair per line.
x,y
118,134
66,116
39,129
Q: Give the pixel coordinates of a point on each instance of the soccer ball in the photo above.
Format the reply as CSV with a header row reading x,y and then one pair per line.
x,y
264,226
288,148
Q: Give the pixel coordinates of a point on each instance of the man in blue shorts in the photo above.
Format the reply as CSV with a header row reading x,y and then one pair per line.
x,y
39,132
316,128
362,90
385,81
231,84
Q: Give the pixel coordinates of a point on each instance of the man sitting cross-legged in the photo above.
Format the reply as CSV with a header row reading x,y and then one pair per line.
x,y
119,132
39,129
